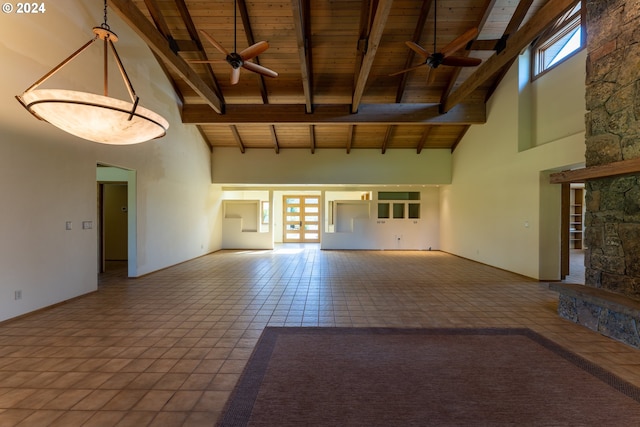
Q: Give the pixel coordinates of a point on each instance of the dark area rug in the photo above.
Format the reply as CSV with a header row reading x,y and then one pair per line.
x,y
424,377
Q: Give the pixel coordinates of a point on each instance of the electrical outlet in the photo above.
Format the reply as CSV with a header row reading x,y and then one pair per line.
x,y
17,295
68,225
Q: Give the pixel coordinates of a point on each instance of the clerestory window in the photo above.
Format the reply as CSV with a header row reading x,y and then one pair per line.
x,y
560,42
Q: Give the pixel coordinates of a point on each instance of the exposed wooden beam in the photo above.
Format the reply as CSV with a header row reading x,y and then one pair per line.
x,y
514,45
367,12
423,139
350,138
459,138
130,14
203,134
623,167
417,32
246,23
195,38
158,19
461,114
188,22
387,138
274,139
517,18
488,8
236,136
512,27
565,229
187,46
301,24
487,44
312,138
382,13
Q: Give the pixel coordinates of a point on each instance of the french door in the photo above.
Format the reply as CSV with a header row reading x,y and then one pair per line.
x,y
301,219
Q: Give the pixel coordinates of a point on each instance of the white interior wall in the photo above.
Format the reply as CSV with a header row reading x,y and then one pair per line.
x,y
359,231
48,177
331,167
498,210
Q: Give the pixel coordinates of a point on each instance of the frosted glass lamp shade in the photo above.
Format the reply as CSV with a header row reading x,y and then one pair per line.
x,y
94,117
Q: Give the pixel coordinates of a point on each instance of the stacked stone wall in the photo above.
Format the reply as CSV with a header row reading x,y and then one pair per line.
x,y
612,217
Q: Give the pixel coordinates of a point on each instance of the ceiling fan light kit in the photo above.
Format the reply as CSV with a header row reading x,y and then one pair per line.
x,y
97,118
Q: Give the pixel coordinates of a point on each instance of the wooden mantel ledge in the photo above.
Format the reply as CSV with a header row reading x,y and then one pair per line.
x,y
622,167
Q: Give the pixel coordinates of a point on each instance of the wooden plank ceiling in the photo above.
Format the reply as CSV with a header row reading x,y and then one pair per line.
x,y
334,59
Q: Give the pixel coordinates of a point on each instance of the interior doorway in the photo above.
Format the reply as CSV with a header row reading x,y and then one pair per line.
x,y
301,219
113,225
572,235
116,218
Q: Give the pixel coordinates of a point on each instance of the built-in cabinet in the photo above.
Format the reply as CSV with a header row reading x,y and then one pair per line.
x,y
241,225
403,220
576,218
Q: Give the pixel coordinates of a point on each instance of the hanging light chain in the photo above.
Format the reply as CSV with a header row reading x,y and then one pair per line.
x,y
104,24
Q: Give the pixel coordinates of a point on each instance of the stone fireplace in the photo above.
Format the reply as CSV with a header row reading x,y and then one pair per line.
x,y
610,301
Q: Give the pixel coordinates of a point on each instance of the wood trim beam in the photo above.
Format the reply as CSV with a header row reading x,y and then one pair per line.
x,y
517,17
246,23
158,19
300,9
487,44
367,11
514,24
459,138
274,139
350,138
514,45
417,32
379,21
187,46
130,14
195,39
237,137
488,8
461,114
312,138
423,139
203,134
623,167
188,21
565,214
387,138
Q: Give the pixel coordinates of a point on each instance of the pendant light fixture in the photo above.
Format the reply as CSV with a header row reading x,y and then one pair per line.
x,y
94,117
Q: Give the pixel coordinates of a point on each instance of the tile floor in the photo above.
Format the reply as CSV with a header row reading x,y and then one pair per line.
x,y
166,349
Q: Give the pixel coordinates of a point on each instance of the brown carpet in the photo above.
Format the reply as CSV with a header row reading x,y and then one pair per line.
x,y
424,377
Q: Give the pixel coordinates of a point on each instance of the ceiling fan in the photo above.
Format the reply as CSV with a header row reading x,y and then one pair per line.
x,y
237,59
443,57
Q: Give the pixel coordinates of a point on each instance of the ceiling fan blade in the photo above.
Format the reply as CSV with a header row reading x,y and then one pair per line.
x,y
254,50
214,43
235,76
460,42
251,66
417,49
461,61
408,69
431,75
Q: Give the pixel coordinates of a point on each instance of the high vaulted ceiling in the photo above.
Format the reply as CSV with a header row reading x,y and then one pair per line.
x,y
334,59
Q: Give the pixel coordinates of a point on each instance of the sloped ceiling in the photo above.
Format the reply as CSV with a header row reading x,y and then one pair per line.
x,y
334,59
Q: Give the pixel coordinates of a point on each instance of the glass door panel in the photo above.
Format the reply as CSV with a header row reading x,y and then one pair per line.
x,y
301,219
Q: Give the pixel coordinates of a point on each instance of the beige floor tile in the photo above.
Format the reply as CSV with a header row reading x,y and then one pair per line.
x,y
167,349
